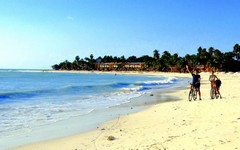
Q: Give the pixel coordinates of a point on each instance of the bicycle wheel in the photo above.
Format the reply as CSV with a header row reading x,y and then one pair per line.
x,y
212,93
216,94
190,97
194,94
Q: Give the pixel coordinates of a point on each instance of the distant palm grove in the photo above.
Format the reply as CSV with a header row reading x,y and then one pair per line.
x,y
205,60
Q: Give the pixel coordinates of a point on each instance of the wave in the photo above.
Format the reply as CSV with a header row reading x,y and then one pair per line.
x,y
19,95
86,89
142,86
169,80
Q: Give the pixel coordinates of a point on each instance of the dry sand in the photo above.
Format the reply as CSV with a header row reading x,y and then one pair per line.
x,y
205,124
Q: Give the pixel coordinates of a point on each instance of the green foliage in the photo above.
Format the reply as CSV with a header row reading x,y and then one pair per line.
x,y
236,51
156,54
208,58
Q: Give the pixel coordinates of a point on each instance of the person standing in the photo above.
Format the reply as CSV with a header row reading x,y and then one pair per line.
x,y
214,79
196,80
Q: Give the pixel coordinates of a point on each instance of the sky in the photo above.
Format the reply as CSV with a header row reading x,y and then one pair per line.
x,y
36,34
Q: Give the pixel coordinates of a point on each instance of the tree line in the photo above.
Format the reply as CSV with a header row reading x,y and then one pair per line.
x,y
206,58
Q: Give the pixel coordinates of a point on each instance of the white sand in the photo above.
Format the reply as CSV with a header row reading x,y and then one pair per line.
x,y
206,124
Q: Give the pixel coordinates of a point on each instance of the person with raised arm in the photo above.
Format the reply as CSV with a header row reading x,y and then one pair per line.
x,y
196,78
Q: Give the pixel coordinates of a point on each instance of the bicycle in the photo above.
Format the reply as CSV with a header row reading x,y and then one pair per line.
x,y
192,93
214,92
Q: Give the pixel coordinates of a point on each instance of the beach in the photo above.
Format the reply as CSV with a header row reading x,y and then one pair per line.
x,y
180,124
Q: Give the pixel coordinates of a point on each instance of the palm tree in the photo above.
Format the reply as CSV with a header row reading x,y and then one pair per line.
x,y
228,61
56,67
91,57
148,61
107,59
156,54
174,59
66,65
77,58
115,59
157,64
122,59
90,62
165,60
213,58
199,51
210,51
218,59
191,60
236,51
204,57
75,64
132,59
180,64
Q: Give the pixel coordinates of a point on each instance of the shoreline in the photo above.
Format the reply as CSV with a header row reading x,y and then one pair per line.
x,y
174,125
76,125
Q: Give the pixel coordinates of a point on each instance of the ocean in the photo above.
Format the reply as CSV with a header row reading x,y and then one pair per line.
x,y
36,104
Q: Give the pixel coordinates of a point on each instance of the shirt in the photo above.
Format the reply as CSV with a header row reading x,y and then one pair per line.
x,y
196,78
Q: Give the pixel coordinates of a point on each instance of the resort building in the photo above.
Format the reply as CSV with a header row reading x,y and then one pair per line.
x,y
129,66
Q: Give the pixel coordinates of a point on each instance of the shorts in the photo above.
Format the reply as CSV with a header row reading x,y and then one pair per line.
x,y
197,86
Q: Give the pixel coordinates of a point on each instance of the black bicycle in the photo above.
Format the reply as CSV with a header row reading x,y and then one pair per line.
x,y
192,93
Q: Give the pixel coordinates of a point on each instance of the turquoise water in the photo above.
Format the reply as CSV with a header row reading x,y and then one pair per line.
x,y
30,100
